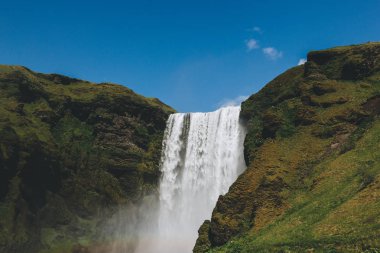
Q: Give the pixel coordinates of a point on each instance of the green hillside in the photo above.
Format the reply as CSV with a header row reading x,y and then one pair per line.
x,y
71,154
313,155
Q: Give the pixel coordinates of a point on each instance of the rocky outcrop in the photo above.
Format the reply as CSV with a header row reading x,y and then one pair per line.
x,y
71,153
313,176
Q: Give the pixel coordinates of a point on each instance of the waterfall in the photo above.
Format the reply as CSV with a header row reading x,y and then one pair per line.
x,y
202,156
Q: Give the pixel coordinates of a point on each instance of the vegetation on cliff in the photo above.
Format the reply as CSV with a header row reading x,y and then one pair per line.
x,y
312,149
71,153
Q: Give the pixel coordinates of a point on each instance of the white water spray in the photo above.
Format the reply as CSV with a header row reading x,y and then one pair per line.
x,y
202,156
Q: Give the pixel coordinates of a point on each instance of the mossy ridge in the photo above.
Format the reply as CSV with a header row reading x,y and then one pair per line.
x,y
312,183
71,153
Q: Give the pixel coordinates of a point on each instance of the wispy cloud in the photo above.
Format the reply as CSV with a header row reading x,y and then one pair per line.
x,y
301,61
255,29
232,102
251,44
272,53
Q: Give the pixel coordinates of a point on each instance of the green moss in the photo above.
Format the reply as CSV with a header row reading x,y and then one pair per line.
x,y
74,152
312,183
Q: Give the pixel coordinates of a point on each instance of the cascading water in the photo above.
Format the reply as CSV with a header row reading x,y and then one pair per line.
x,y
202,156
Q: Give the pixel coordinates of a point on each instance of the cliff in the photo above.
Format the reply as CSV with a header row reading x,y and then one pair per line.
x,y
312,150
71,153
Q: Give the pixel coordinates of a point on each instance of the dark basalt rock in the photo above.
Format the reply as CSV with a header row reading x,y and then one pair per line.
x,y
320,89
9,158
372,105
203,243
346,63
304,116
271,124
70,155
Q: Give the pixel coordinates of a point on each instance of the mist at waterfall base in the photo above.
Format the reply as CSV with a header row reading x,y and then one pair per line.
x,y
202,156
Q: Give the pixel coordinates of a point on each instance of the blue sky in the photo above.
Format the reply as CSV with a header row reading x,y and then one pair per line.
x,y
192,55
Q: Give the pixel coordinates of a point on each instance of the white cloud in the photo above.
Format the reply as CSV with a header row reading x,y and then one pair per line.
x,y
251,44
301,61
232,102
272,53
256,29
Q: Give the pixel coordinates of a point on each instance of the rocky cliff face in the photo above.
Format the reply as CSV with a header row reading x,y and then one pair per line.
x,y
71,153
312,149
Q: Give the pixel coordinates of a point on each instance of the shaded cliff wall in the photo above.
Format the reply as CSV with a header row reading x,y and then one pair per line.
x,y
71,153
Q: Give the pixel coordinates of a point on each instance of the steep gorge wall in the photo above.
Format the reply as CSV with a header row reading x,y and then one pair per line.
x,y
313,176
71,153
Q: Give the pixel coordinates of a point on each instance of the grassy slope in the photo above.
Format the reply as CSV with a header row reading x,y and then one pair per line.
x,y
313,177
70,152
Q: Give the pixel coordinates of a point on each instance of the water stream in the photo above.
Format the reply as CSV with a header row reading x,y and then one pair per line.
x,y
202,156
